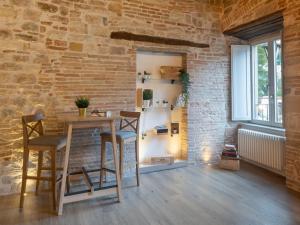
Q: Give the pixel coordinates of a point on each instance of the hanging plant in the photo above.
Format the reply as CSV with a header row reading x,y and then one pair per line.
x,y
184,79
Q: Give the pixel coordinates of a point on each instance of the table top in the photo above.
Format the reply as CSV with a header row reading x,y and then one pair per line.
x,y
73,118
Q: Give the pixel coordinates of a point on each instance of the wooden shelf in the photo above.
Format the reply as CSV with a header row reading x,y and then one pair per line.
x,y
143,80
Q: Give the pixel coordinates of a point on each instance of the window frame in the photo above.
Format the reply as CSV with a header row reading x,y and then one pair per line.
x,y
270,38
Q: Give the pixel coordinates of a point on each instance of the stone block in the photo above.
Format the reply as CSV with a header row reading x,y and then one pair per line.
x,y
47,7
117,50
30,26
8,12
5,34
76,46
115,7
26,37
31,14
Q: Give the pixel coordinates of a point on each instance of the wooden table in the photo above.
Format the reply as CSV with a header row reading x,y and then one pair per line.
x,y
75,122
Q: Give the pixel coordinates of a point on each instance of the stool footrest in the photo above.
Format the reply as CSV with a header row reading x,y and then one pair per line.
x,y
40,178
108,170
86,191
87,179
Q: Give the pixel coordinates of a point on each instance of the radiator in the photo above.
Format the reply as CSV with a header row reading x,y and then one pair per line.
x,y
262,149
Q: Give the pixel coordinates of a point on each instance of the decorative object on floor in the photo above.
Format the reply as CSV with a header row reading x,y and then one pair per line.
x,y
82,103
184,78
121,35
168,159
230,158
147,98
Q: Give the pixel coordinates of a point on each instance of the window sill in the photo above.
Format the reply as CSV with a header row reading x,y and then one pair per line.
x,y
265,129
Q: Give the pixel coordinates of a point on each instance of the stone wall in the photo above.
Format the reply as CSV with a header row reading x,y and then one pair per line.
x,y
239,12
54,50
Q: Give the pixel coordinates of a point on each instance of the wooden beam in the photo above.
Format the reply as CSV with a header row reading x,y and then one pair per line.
x,y
264,25
154,39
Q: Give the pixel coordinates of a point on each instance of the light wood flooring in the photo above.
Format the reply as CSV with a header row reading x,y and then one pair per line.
x,y
200,195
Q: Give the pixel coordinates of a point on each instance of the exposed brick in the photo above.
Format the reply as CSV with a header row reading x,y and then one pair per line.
x,y
5,34
116,8
117,50
31,14
21,2
47,7
76,46
26,37
8,12
30,26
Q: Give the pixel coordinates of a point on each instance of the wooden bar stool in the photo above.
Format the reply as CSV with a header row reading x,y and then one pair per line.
x,y
129,120
35,140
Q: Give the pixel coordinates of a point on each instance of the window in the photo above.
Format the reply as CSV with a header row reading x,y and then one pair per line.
x,y
257,81
267,82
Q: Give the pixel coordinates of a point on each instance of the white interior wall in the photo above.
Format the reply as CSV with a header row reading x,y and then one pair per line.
x,y
153,144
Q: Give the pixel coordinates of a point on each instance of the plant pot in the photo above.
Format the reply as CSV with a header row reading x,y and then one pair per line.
x,y
82,112
147,103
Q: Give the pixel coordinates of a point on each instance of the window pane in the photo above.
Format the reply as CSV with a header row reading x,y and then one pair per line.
x,y
261,82
278,82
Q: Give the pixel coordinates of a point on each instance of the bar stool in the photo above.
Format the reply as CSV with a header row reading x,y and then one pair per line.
x,y
130,120
35,140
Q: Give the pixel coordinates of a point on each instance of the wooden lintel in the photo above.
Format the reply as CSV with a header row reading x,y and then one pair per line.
x,y
155,39
264,25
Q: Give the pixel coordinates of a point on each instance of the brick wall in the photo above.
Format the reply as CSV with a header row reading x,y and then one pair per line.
x,y
54,50
239,12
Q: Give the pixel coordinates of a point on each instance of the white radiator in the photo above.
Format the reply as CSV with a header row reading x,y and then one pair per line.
x,y
262,149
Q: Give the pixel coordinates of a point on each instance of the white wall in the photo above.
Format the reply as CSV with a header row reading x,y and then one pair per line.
x,y
152,144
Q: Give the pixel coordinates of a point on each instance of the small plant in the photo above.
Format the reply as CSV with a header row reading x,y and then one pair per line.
x,y
147,94
82,102
184,78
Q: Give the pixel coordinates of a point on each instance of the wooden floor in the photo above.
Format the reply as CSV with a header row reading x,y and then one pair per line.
x,y
186,196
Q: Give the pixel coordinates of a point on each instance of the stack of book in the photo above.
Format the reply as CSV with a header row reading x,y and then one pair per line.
x,y
230,159
230,152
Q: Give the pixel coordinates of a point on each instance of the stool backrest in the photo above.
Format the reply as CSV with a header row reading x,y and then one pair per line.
x,y
130,120
32,124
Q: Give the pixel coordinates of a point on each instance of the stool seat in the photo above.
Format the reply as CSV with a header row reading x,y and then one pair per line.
x,y
49,140
121,134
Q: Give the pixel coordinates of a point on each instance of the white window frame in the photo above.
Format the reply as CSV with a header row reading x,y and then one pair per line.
x,y
270,38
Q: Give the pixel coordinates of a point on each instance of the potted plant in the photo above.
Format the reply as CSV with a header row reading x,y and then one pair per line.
x,y
82,103
147,97
184,79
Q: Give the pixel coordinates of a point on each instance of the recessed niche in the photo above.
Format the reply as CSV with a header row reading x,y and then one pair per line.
x,y
161,120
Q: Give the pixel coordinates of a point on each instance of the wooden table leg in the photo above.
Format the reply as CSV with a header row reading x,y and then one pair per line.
x,y
65,169
116,160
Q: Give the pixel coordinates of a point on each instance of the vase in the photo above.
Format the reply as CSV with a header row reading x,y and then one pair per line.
x,y
146,103
82,112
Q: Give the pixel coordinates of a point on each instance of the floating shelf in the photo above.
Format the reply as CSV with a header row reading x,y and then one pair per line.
x,y
143,80
172,107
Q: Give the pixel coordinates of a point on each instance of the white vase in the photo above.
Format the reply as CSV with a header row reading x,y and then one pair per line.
x,y
146,103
